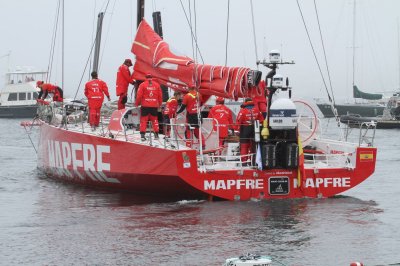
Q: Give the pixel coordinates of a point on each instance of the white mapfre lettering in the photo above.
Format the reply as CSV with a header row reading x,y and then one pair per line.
x,y
233,184
70,158
327,182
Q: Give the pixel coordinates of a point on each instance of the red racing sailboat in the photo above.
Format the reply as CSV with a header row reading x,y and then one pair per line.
x,y
114,156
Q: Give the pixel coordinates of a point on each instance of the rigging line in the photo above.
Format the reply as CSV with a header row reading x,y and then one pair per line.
x,y
191,30
315,55
398,47
190,19
87,61
52,47
108,33
371,44
227,34
195,24
93,31
62,47
195,34
254,31
354,38
323,48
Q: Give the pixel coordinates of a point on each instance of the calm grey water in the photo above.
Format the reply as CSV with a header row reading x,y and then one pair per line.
x,y
45,222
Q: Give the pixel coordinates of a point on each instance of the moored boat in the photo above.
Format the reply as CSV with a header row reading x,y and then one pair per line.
x,y
389,120
19,94
371,104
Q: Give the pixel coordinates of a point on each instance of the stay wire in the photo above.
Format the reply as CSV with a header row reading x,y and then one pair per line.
x,y
93,31
191,30
227,34
323,48
254,31
88,60
195,24
52,47
315,55
190,20
107,34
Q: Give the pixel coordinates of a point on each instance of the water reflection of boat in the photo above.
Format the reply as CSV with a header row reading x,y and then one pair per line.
x,y
18,97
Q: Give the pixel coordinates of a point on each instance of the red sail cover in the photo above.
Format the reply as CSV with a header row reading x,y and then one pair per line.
x,y
180,72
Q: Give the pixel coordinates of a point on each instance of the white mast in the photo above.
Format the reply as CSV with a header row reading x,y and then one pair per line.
x,y
354,39
398,47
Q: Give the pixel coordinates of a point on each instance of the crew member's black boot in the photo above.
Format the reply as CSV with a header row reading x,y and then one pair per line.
x,y
142,137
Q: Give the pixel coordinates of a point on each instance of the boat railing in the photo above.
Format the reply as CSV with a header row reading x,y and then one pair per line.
x,y
317,160
214,161
366,132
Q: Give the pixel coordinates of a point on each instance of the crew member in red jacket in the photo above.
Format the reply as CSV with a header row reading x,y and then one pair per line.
x,y
95,91
191,101
149,97
259,98
245,122
46,88
170,112
124,78
223,115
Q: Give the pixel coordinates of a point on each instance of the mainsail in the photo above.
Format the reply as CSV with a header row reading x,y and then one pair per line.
x,y
367,96
154,56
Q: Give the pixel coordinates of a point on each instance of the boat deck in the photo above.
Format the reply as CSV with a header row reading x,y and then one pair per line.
x,y
210,159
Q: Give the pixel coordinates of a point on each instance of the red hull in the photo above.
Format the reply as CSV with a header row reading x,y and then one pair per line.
x,y
98,161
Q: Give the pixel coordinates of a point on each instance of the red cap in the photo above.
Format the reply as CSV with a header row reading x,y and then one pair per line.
x,y
149,75
220,100
39,82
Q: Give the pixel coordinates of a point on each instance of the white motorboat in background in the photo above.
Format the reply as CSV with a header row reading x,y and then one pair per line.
x,y
19,94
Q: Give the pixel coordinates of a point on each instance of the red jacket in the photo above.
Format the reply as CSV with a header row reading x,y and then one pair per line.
x,y
123,79
50,88
258,96
47,88
248,114
191,102
94,91
171,107
223,115
149,95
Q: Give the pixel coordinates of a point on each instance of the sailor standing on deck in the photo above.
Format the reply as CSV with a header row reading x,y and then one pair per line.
x,y
95,91
170,112
223,115
245,121
46,88
124,78
191,103
149,97
259,97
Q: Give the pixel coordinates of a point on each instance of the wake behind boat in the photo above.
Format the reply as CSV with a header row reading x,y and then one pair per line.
x,y
116,156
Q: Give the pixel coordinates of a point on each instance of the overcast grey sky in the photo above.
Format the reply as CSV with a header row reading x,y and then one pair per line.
x,y
26,30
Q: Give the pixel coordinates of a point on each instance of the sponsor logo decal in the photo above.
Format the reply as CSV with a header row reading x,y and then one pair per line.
x,y
87,157
233,184
279,185
326,182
